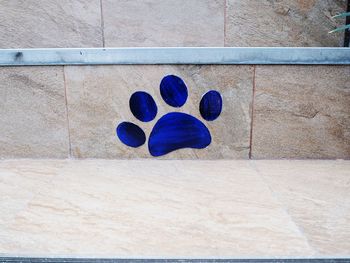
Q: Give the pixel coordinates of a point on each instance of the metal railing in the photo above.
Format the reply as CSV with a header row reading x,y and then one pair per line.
x,y
175,55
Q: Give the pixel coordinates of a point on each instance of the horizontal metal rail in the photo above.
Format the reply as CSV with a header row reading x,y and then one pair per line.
x,y
139,260
175,55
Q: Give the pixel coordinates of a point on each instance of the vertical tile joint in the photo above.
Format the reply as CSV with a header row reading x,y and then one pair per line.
x,y
67,117
225,7
102,24
252,114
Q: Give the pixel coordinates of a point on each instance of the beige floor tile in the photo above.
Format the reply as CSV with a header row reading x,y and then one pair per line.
x,y
20,181
163,23
316,195
152,209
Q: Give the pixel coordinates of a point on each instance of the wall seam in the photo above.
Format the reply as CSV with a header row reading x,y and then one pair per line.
x,y
225,20
252,114
67,115
102,24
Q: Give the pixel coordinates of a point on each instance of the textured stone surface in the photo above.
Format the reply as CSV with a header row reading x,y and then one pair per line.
x,y
98,100
163,23
50,23
314,194
302,112
68,23
283,22
17,191
145,208
33,120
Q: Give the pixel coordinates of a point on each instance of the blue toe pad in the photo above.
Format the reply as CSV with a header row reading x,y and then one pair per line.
x,y
211,105
173,90
143,106
131,134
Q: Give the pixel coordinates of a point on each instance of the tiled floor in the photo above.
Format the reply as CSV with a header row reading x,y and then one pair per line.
x,y
147,208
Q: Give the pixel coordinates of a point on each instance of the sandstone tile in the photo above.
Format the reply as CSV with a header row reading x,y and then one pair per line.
x,y
163,23
315,194
149,208
98,100
20,181
283,23
33,121
302,112
50,23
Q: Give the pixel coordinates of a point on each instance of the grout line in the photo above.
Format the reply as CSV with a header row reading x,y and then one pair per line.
x,y
252,115
225,4
67,117
102,24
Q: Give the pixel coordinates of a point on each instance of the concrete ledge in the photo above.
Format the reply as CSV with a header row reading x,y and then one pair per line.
x,y
175,55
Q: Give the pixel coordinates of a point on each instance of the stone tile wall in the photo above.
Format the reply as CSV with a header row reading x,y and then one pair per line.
x,y
98,100
302,112
269,111
289,23
114,23
50,23
33,116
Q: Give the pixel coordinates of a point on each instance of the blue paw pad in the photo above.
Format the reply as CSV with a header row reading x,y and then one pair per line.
x,y
173,91
211,105
175,130
143,106
131,134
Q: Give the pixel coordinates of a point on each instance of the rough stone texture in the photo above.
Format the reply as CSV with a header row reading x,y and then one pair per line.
x,y
98,100
314,193
33,119
147,209
163,23
302,112
283,22
50,23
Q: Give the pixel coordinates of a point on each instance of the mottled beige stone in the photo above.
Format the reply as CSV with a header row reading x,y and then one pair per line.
x,y
316,195
163,23
17,191
33,118
145,209
98,100
283,22
50,23
302,112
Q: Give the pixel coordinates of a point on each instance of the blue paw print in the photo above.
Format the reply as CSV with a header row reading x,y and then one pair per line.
x,y
174,130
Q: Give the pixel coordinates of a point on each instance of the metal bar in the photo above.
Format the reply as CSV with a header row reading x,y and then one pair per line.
x,y
183,55
111,260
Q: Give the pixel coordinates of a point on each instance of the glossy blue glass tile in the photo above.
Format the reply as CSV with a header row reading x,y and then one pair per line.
x,y
211,105
130,134
175,131
143,106
173,90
